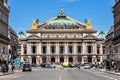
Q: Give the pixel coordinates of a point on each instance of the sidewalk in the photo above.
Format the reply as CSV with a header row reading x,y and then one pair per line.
x,y
110,72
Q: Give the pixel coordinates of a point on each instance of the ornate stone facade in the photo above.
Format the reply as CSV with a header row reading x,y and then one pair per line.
x,y
4,14
116,13
71,41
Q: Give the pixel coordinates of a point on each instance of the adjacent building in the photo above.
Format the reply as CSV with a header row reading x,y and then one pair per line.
x,y
109,46
116,13
61,39
4,15
13,43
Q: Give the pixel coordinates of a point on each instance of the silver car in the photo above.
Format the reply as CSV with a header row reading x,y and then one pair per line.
x,y
87,66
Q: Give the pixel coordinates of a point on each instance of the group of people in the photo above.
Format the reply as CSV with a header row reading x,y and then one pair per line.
x,y
7,67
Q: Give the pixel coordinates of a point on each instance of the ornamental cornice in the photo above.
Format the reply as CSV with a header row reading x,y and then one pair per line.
x,y
61,31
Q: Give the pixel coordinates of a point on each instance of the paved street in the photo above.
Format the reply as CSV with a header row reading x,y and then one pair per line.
x,y
60,74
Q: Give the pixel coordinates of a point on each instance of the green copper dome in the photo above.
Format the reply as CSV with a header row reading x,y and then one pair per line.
x,y
101,35
61,22
21,35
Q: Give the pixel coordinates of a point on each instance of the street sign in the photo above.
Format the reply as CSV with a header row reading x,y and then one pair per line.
x,y
17,62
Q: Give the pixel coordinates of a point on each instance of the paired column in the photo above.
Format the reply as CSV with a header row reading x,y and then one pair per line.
x,y
84,48
39,48
75,48
48,48
57,48
66,48
94,48
101,49
28,48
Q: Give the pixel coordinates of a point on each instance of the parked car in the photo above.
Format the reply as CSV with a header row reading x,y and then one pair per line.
x,y
77,64
42,65
26,67
71,65
49,66
33,65
4,68
87,66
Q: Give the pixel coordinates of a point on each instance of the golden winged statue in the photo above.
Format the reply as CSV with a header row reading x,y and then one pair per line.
x,y
88,25
34,24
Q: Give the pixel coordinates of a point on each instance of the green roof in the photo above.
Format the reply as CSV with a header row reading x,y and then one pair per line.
x,y
62,21
21,35
101,35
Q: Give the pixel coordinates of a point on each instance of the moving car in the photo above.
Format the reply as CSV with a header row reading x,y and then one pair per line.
x,y
26,67
87,66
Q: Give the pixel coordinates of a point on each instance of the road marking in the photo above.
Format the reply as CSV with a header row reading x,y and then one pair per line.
x,y
102,75
18,76
60,78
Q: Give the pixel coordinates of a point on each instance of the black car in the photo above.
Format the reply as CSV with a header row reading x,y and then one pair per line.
x,y
42,65
26,67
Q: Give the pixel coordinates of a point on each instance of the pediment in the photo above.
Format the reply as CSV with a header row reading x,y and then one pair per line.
x,y
33,37
90,37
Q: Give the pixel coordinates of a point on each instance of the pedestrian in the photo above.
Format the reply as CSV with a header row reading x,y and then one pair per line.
x,y
12,67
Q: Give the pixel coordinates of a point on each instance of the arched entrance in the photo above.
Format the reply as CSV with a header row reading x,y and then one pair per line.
x,y
90,59
33,60
79,59
52,60
71,59
61,59
43,59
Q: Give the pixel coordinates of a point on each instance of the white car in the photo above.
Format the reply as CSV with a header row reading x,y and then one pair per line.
x,y
87,66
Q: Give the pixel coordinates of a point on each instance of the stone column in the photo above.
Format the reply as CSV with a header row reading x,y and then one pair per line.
x,y
75,48
29,48
101,49
95,46
57,48
101,58
22,49
57,59
22,60
83,59
37,60
40,59
39,48
83,48
48,48
66,58
66,48
74,59
94,59
30,59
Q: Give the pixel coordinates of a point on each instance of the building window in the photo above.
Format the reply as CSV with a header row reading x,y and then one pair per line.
x,y
61,49
33,49
89,49
52,49
44,50
70,49
79,49
98,50
25,49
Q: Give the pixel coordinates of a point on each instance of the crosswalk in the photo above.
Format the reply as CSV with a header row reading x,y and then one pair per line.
x,y
38,69
11,76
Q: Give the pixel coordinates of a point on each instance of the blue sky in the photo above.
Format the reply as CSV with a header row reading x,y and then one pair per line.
x,y
22,12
